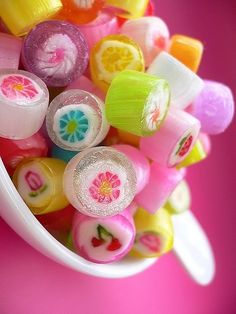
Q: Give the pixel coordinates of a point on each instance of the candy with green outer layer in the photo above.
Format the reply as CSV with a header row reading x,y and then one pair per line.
x,y
180,199
137,102
154,233
196,155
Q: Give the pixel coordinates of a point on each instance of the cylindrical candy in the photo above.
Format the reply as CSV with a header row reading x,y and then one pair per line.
x,y
154,233
151,33
100,182
103,240
105,24
161,184
175,139
21,15
24,100
14,151
196,155
128,138
185,85
56,51
180,199
214,107
10,49
62,154
137,102
76,120
80,11
140,163
39,182
111,55
187,50
129,8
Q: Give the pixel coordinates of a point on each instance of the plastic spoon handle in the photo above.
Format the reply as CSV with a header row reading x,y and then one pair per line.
x,y
193,249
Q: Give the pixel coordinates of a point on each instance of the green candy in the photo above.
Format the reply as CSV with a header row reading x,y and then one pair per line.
x,y
137,102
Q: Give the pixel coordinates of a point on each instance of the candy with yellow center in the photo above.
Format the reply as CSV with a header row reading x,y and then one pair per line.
x,y
187,50
154,233
111,55
129,8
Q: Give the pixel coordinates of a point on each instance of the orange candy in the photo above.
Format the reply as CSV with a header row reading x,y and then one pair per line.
x,y
128,138
187,50
80,11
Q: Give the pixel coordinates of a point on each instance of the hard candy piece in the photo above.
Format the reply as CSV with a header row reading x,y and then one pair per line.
x,y
129,8
161,184
24,100
110,56
175,139
137,102
76,120
56,51
187,50
10,49
103,240
154,233
39,182
128,138
100,182
206,142
21,15
185,85
214,107
151,33
62,154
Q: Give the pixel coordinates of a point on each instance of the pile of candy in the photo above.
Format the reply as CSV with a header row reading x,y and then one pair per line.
x,y
103,165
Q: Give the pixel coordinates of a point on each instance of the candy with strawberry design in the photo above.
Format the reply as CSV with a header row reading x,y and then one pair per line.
x,y
103,240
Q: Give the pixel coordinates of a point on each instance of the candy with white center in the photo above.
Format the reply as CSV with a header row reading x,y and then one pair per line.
x,y
185,85
75,120
140,164
56,51
154,233
137,102
175,139
103,240
214,107
100,182
180,199
39,182
161,184
10,49
150,32
24,101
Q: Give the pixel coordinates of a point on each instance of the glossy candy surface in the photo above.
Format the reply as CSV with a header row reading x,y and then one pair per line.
x,y
10,49
129,8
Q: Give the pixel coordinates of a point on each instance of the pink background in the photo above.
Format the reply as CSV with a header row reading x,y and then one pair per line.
x,y
31,283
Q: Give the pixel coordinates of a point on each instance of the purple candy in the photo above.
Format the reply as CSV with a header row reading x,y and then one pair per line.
x,y
56,51
214,107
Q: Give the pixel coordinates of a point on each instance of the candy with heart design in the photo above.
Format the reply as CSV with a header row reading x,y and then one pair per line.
x,y
24,101
187,50
180,199
154,233
185,85
56,51
129,8
111,55
103,240
139,111
76,120
39,182
161,184
10,49
22,15
174,141
100,182
14,151
150,32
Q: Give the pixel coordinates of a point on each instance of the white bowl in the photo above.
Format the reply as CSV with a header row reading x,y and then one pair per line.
x,y
191,245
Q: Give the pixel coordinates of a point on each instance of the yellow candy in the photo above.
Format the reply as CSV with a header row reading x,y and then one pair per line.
x,y
154,233
131,8
196,155
111,55
21,15
187,50
39,182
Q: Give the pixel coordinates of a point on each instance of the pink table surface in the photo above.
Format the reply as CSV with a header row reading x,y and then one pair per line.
x,y
31,283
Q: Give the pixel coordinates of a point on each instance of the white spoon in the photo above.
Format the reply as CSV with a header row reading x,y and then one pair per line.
x,y
18,216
